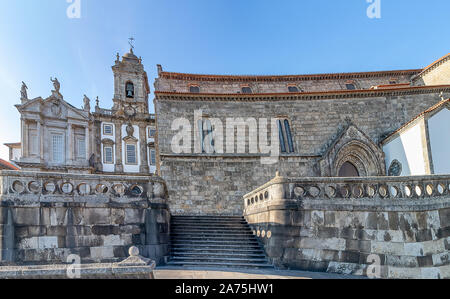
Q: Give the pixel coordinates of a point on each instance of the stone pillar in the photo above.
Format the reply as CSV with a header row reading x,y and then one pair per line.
x,y
118,149
6,235
24,139
40,130
87,142
157,222
144,168
70,144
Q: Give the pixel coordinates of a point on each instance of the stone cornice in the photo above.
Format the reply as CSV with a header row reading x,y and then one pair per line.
x,y
256,78
328,95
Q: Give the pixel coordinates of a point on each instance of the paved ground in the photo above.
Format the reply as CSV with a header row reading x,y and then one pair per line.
x,y
166,272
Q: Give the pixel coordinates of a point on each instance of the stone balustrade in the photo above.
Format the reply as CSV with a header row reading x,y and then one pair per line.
x,y
33,186
399,226
46,217
367,188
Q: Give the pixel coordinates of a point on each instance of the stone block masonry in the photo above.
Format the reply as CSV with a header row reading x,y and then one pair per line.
x,y
378,227
45,217
210,184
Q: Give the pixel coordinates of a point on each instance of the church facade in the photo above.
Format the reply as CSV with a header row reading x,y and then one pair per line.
x,y
323,125
58,137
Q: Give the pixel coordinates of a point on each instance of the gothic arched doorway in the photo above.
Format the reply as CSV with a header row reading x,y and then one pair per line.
x,y
348,170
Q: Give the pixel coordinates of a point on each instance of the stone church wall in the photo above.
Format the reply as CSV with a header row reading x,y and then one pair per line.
x,y
45,217
385,227
214,184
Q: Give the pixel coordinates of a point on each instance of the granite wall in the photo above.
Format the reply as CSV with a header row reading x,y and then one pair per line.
x,y
376,227
215,183
45,217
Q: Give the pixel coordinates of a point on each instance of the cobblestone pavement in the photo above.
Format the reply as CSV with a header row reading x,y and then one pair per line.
x,y
166,272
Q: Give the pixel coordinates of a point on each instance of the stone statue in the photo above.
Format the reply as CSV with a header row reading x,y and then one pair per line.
x,y
56,84
23,92
87,103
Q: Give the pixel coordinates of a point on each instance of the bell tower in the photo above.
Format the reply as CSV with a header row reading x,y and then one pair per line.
x,y
131,88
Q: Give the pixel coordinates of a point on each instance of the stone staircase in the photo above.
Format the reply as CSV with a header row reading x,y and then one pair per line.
x,y
214,241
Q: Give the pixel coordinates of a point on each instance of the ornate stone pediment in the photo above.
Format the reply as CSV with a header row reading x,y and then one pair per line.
x,y
355,147
130,139
107,141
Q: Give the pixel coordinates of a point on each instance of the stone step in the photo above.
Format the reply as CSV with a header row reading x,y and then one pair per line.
x,y
208,217
179,254
216,251
209,223
213,242
216,238
220,265
211,234
220,259
221,246
210,229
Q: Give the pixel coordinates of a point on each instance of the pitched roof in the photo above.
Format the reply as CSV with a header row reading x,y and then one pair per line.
x,y
6,165
13,145
426,112
433,65
264,78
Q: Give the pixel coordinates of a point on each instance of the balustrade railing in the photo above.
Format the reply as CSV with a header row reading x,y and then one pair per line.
x,y
369,188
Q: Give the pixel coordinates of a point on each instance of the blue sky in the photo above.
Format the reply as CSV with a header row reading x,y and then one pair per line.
x,y
38,40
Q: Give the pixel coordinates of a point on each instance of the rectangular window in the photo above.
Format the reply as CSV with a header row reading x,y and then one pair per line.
x,y
34,148
152,157
81,148
131,154
107,130
58,148
285,134
108,155
151,132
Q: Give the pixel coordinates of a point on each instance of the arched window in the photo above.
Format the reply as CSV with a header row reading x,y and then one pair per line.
x,y
293,89
129,90
194,89
348,170
350,86
246,89
285,134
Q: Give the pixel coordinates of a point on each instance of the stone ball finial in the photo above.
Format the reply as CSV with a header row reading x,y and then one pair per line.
x,y
133,251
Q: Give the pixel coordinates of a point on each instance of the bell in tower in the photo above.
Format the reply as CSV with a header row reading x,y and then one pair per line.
x,y
131,88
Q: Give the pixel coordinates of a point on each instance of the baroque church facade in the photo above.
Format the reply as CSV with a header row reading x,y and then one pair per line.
x,y
325,125
59,137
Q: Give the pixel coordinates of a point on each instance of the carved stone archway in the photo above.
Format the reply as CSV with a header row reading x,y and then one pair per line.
x,y
355,147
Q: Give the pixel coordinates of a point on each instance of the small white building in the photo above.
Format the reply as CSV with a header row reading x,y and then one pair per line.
x,y
421,146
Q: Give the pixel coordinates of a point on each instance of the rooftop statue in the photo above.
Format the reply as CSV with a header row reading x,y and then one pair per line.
x,y
56,84
87,103
23,92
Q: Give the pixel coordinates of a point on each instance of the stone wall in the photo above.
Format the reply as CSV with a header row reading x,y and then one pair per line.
x,y
45,217
345,225
278,84
203,184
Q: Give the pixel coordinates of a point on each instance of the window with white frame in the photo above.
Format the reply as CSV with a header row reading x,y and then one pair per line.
x,y
285,134
153,157
58,148
81,148
151,132
107,129
131,154
108,155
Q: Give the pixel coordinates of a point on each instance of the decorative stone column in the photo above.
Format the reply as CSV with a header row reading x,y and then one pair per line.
x,y
40,130
144,168
118,148
87,142
6,235
24,139
69,151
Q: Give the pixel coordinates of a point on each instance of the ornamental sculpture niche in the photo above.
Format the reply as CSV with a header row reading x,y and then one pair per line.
x,y
395,169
